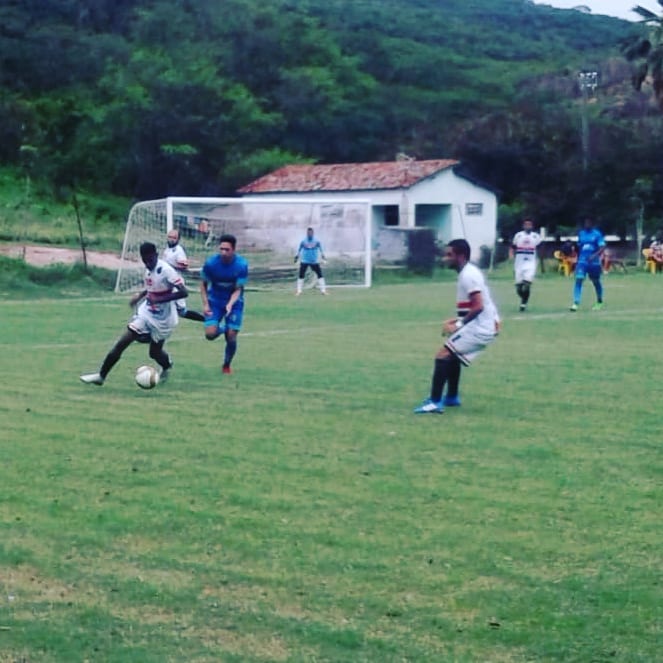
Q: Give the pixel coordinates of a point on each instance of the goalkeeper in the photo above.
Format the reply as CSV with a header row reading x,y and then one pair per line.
x,y
309,254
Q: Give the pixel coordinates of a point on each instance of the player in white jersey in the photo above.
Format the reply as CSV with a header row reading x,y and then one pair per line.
x,y
155,317
175,255
476,326
524,251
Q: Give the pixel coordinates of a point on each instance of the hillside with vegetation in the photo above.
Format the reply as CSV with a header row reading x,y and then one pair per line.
x,y
146,98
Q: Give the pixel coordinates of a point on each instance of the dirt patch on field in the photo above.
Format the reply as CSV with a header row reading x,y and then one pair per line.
x,y
43,256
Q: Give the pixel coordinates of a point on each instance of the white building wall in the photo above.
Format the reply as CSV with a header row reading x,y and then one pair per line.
x,y
446,188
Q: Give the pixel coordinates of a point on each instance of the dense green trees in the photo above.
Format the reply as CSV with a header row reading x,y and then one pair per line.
x,y
153,97
646,50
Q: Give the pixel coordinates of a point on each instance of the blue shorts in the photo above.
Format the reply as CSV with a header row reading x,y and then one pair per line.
x,y
219,317
591,269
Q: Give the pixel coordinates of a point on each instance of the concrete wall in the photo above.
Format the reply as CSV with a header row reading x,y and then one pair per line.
x,y
457,196
440,201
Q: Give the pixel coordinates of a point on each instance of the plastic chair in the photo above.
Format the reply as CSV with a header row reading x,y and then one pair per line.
x,y
650,264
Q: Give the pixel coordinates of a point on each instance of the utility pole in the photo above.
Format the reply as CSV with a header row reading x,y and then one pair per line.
x,y
588,82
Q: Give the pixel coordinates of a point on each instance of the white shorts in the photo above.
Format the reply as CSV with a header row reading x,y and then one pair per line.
x,y
525,271
469,341
159,327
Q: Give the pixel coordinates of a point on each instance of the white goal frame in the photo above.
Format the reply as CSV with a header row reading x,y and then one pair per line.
x,y
268,231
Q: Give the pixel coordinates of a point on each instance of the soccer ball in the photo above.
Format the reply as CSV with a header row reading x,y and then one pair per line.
x,y
147,377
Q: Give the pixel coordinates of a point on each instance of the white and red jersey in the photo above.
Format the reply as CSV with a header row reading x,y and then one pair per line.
x,y
175,256
162,279
471,280
524,247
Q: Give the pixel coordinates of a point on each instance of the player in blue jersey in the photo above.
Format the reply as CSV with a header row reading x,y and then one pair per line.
x,y
222,290
591,246
309,254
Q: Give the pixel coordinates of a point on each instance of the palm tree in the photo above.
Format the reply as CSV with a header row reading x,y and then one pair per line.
x,y
646,52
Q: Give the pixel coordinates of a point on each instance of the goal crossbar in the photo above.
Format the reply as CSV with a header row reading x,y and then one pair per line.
x,y
268,232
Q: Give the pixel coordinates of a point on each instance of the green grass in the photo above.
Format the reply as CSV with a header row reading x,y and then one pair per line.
x,y
298,511
19,280
30,213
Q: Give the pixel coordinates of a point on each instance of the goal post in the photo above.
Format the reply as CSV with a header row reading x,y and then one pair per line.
x,y
268,232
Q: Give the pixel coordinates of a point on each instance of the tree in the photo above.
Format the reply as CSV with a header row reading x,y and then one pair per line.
x,y
646,52
148,97
641,193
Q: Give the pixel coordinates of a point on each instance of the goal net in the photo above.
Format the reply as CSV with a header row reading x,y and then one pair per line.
x,y
268,233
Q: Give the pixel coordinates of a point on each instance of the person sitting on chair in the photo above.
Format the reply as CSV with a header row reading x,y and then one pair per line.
x,y
569,251
656,254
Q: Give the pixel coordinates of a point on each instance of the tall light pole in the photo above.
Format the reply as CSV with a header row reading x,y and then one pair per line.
x,y
588,82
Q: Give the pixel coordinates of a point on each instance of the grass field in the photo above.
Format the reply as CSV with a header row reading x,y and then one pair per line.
x,y
298,511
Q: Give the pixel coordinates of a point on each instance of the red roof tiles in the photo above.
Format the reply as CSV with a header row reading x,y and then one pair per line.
x,y
347,177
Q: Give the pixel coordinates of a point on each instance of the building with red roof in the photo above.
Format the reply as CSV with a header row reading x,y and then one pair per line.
x,y
405,195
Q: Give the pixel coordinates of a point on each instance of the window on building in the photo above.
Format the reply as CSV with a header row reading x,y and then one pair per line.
x,y
391,215
473,209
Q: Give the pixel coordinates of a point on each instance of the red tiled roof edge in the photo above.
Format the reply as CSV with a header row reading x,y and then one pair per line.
x,y
347,177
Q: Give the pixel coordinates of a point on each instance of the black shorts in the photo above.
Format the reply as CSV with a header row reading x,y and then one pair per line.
x,y
303,266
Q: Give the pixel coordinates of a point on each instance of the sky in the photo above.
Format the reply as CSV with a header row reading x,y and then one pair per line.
x,y
619,8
